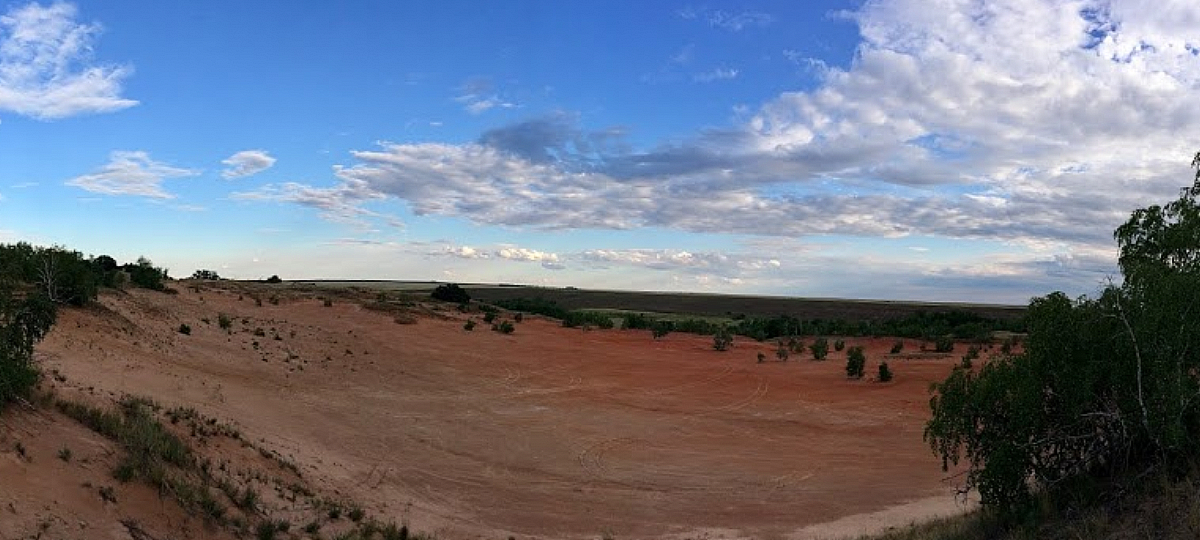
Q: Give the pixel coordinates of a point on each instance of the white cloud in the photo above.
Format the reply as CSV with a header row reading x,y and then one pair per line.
x,y
131,173
478,96
247,163
45,65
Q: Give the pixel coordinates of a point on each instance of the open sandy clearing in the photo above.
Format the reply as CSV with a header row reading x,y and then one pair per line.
x,y
548,432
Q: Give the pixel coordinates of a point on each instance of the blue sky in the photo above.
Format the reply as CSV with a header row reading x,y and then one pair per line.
x,y
931,150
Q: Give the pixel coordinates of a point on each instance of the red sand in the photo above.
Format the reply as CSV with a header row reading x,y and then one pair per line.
x,y
548,432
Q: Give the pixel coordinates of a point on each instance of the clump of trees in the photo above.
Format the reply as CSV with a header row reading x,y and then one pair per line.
x,y
451,292
1104,386
206,275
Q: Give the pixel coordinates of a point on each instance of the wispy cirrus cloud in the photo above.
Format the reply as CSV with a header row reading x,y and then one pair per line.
x,y
246,163
733,21
716,74
479,95
131,173
46,67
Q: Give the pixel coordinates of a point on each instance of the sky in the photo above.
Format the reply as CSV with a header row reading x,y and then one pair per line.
x,y
938,150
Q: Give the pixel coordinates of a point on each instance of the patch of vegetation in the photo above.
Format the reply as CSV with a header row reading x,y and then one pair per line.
x,y
885,373
839,345
469,325
897,347
856,363
206,275
451,292
819,349
185,329
722,339
1105,388
224,322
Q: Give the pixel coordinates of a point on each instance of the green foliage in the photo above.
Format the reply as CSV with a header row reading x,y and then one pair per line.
x,y
885,373
23,323
661,328
944,344
224,321
1103,386
897,347
451,292
469,325
781,352
838,345
576,319
856,363
144,274
539,306
819,349
489,316
185,329
722,339
273,280
206,275
761,357
504,327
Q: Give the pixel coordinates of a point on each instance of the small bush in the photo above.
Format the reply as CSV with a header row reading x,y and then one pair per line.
x,y
489,316
65,454
469,325
185,329
761,357
897,347
723,339
520,317
274,280
781,352
819,349
944,344
856,363
885,374
660,329
839,345
504,327
327,303
224,321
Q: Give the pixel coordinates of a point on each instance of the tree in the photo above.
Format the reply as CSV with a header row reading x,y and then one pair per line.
x,y
723,339
1104,385
274,280
451,292
144,274
856,362
23,323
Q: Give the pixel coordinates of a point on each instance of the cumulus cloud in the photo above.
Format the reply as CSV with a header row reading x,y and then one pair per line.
x,y
712,262
131,173
46,69
246,163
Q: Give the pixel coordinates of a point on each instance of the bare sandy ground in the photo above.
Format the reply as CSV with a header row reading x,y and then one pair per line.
x,y
545,433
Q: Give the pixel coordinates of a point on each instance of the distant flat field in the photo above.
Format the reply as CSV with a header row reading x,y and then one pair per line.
x,y
722,305
699,304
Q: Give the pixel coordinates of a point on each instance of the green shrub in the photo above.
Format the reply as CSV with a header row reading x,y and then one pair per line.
x,y
819,349
224,321
885,374
839,345
781,352
185,329
761,357
897,347
469,325
661,328
723,339
856,363
944,344
489,316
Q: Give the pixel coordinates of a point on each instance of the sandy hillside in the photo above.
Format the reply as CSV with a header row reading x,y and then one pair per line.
x,y
544,433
